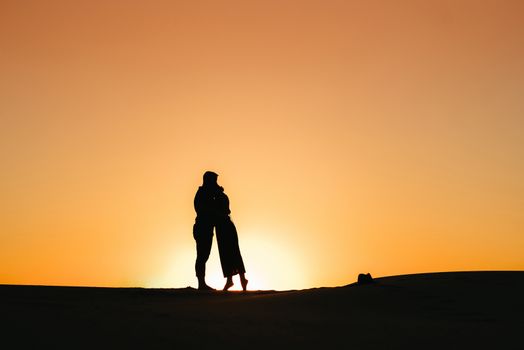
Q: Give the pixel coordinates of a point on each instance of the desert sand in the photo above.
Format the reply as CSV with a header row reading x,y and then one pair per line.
x,y
451,310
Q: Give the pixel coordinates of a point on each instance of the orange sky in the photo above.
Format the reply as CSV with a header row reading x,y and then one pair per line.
x,y
351,136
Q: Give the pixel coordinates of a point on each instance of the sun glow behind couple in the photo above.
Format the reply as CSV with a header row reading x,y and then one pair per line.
x,y
262,256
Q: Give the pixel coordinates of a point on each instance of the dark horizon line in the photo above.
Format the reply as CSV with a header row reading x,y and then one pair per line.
x,y
313,287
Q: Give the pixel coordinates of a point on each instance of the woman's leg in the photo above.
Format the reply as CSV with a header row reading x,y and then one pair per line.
x,y
243,281
229,283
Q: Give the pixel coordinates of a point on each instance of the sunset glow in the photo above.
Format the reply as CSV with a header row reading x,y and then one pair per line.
x,y
350,136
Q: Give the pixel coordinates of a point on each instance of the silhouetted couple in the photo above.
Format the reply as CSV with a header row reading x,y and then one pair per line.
x,y
212,208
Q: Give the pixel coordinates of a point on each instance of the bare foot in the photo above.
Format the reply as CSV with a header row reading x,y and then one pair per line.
x,y
228,285
244,284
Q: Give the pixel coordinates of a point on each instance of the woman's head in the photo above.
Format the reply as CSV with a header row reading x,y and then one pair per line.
x,y
210,178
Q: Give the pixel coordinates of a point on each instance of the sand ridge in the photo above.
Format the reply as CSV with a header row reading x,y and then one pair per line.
x,y
431,311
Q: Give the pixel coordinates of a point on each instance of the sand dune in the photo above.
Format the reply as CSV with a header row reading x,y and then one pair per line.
x,y
467,310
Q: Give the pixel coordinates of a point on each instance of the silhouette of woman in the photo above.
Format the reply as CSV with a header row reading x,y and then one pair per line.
x,y
227,240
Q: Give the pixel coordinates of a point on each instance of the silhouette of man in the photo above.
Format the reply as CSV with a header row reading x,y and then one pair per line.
x,y
204,224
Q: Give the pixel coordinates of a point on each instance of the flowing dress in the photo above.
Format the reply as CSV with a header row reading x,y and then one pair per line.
x,y
227,239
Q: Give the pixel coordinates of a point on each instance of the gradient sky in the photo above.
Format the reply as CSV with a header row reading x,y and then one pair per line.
x,y
351,136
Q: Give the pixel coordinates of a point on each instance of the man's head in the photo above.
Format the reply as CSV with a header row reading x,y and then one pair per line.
x,y
210,178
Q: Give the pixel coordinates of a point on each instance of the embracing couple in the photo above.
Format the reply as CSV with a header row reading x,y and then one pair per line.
x,y
212,209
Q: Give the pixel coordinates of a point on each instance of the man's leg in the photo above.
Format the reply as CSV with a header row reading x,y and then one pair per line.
x,y
204,239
